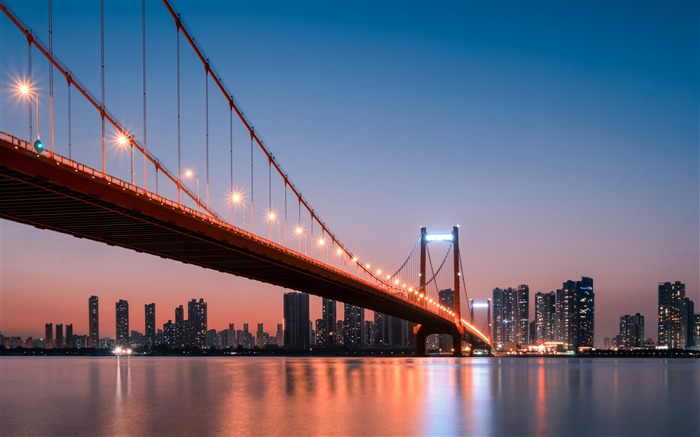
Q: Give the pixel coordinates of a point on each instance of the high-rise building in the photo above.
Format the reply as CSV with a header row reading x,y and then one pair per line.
x,y
696,330
122,323
296,321
354,325
169,335
389,330
544,316
48,336
260,337
197,318
370,333
181,330
280,335
586,312
575,314
93,322
673,313
70,339
511,311
446,298
150,312
631,331
58,342
328,334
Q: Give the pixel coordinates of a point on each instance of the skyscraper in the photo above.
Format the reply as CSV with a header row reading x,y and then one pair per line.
x,y
575,314
122,321
446,298
510,315
58,342
180,330
296,320
328,335
631,331
48,336
676,316
197,317
93,322
150,312
70,340
354,325
544,316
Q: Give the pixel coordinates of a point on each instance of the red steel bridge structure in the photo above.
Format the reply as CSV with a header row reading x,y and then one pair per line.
x,y
157,211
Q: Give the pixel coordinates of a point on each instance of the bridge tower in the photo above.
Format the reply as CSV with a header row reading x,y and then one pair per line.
x,y
456,330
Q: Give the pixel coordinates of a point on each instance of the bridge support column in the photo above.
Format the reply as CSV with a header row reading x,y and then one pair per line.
x,y
423,331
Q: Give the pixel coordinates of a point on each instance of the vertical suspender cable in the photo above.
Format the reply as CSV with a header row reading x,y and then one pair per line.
x,y
31,101
102,77
206,123
143,62
179,168
230,140
51,75
252,198
285,211
70,123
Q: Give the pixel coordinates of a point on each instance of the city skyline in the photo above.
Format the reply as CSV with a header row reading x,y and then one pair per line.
x,y
547,144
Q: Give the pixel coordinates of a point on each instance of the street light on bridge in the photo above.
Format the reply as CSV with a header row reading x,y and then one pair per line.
x,y
189,174
25,90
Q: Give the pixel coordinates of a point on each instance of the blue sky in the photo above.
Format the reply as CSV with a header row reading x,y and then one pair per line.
x,y
561,136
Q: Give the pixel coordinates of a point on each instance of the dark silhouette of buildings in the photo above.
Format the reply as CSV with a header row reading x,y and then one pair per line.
x,y
296,321
631,331
93,322
353,326
676,317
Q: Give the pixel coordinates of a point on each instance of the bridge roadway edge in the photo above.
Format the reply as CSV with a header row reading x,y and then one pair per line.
x,y
36,190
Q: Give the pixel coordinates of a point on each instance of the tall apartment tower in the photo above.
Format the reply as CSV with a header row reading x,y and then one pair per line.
x,y
328,335
446,298
354,325
70,340
676,319
544,316
197,317
122,320
631,331
48,336
150,312
575,314
510,315
58,342
93,322
296,321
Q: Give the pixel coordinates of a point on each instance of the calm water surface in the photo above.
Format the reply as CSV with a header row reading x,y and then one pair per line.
x,y
347,396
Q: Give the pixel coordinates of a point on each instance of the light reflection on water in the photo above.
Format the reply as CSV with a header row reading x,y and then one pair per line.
x,y
348,396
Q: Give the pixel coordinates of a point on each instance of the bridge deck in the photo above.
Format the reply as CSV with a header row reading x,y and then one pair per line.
x,y
52,192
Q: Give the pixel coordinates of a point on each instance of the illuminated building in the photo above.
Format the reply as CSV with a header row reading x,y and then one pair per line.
x,y
575,314
327,335
197,321
544,316
150,312
280,335
447,299
676,317
180,327
354,325
48,336
631,331
93,322
510,315
260,337
122,321
296,321
70,339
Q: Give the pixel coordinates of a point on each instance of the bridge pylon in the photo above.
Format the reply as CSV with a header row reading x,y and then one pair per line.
x,y
455,330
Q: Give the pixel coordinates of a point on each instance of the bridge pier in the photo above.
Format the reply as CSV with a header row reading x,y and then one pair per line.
x,y
423,331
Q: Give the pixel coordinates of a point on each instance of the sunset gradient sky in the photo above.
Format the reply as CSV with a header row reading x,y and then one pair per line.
x,y
561,136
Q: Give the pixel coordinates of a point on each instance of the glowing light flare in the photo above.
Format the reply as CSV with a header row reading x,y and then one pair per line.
x,y
354,259
439,237
480,305
236,198
339,251
271,216
321,241
122,139
396,282
24,89
298,230
189,173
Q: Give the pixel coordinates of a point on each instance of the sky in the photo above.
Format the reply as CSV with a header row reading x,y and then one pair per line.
x,y
561,136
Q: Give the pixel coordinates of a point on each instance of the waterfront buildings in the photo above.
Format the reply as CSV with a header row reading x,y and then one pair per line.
x,y
93,322
150,324
631,331
296,321
122,321
676,318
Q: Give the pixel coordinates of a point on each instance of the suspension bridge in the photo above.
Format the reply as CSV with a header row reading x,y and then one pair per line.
x,y
75,185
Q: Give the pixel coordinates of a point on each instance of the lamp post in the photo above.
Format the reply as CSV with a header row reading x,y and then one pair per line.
x,y
25,90
189,173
